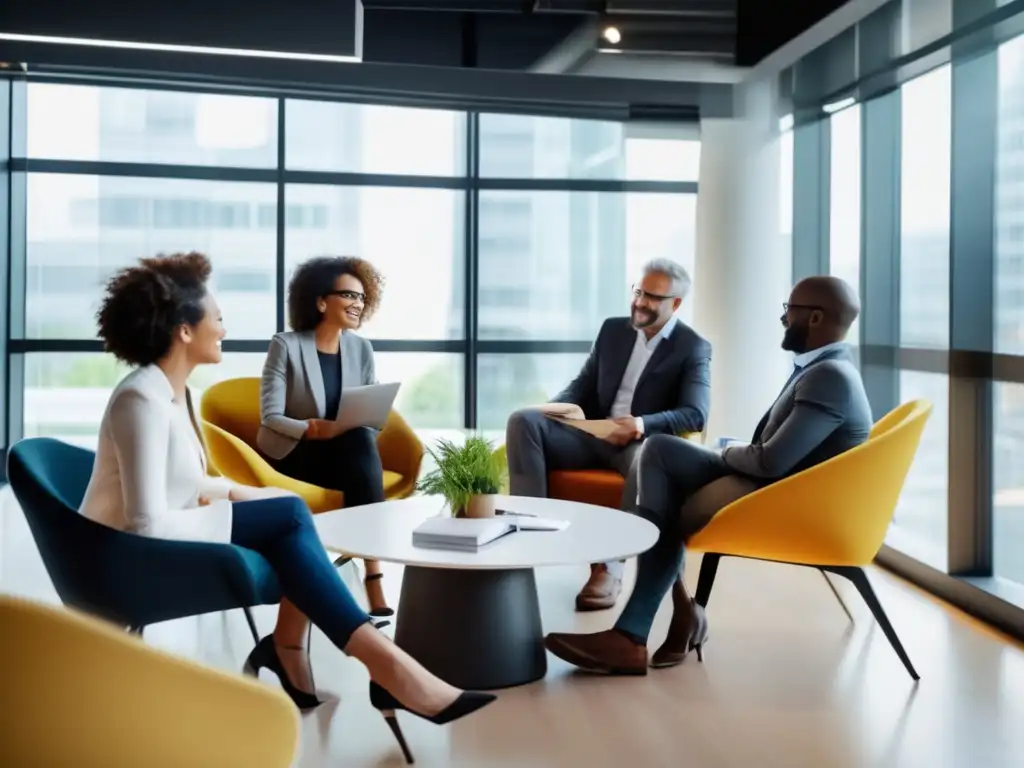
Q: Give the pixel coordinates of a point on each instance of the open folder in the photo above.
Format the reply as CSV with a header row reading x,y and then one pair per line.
x,y
599,428
366,406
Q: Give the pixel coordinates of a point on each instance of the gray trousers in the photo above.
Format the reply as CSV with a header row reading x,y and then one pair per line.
x,y
536,445
682,485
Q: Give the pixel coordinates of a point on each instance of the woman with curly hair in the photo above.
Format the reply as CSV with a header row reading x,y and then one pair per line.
x,y
306,371
149,478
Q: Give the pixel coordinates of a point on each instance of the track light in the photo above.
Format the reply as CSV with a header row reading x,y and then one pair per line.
x,y
612,35
838,106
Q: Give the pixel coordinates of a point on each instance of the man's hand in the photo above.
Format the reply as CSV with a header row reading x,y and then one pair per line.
x,y
320,429
625,431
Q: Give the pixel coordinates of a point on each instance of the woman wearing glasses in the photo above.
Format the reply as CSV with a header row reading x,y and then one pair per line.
x,y
149,478
306,369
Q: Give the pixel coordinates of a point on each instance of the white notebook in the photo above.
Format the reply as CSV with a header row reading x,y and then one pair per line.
x,y
470,534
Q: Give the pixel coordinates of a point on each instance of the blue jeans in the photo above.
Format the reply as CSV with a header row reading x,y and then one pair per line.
x,y
281,530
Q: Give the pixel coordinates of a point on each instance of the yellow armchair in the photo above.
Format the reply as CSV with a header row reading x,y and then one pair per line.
x,y
117,697
230,418
832,517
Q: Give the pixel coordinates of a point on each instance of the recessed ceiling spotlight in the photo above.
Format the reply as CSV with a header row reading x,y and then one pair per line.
x,y
612,35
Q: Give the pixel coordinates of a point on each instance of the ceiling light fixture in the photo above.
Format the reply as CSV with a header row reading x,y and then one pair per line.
x,y
838,106
167,47
612,35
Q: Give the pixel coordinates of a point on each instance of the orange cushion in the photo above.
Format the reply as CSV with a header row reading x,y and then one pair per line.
x,y
602,487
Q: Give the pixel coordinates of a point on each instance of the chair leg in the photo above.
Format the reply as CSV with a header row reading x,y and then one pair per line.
x,y
708,570
342,560
863,585
839,597
252,625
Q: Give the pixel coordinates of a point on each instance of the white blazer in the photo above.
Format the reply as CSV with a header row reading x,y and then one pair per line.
x,y
150,467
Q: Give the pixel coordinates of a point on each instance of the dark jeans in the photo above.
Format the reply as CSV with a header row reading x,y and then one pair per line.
x,y
281,530
349,463
670,470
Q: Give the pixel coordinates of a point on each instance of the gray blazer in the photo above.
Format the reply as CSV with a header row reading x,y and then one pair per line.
x,y
673,394
823,411
292,387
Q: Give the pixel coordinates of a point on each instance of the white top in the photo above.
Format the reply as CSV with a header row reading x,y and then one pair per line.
x,y
641,355
384,532
150,468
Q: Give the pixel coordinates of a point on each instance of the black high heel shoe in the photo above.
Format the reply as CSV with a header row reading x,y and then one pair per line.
x,y
387,705
265,655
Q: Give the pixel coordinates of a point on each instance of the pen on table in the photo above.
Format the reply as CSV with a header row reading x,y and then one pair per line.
x,y
513,514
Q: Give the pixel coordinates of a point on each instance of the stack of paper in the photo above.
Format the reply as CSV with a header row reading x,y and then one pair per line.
x,y
464,534
461,534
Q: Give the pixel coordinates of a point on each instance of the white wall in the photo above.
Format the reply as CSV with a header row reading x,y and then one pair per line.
x,y
744,263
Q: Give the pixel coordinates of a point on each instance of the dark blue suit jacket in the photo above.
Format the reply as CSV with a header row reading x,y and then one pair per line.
x,y
673,394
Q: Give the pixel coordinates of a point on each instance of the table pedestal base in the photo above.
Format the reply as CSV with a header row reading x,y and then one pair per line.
x,y
475,629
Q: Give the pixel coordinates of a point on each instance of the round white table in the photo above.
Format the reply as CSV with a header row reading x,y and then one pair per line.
x,y
473,618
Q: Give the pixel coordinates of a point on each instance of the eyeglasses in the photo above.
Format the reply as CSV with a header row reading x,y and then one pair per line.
x,y
641,293
787,306
349,295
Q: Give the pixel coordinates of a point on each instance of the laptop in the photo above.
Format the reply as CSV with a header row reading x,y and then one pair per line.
x,y
366,406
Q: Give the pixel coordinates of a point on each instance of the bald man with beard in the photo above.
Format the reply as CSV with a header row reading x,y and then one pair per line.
x,y
821,412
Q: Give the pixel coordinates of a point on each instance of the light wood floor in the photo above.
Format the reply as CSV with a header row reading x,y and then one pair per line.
x,y
787,682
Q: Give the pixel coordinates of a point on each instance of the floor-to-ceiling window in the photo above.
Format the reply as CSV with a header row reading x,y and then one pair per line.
x,y
1008,407
555,262
910,184
844,198
887,180
114,174
504,240
926,212
926,106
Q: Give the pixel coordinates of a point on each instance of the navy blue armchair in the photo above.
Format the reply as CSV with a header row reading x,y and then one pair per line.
x,y
129,580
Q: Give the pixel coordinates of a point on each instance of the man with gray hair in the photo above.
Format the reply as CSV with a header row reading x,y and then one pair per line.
x,y
650,374
821,412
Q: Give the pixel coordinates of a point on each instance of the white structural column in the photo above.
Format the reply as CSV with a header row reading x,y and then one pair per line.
x,y
743,262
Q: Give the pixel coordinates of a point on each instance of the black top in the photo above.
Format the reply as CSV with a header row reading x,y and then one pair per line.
x,y
330,369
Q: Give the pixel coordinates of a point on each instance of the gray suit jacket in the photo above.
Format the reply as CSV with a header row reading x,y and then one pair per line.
x,y
292,387
673,394
823,410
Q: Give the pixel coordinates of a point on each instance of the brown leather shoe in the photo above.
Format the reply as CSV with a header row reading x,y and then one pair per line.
x,y
600,592
688,631
608,652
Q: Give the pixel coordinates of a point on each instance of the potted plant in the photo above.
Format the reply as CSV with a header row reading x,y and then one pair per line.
x,y
466,475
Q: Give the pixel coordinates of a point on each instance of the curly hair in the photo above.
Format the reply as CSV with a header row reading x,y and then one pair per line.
x,y
145,304
315,278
